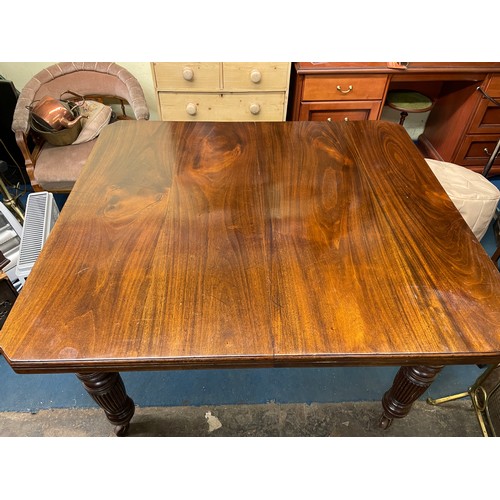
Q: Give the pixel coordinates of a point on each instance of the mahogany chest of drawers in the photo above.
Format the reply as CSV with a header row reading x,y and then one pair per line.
x,y
463,126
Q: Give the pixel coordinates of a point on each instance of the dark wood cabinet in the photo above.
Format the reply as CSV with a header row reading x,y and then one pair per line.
x,y
8,296
463,126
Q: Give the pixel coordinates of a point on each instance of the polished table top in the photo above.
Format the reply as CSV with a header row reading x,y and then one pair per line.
x,y
187,245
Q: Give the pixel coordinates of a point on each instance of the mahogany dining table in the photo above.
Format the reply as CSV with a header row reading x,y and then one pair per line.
x,y
188,245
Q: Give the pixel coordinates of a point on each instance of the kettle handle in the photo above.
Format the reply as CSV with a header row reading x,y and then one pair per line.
x,y
82,97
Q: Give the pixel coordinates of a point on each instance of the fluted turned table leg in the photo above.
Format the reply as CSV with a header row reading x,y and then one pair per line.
x,y
409,384
108,391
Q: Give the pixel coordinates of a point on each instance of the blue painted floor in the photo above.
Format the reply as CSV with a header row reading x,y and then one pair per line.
x,y
31,393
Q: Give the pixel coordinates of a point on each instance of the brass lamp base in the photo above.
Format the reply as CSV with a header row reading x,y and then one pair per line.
x,y
485,397
10,202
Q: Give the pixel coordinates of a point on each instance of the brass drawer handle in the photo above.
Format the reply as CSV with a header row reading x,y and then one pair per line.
x,y
339,88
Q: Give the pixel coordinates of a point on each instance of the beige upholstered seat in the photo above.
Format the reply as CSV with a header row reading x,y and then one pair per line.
x,y
475,197
56,168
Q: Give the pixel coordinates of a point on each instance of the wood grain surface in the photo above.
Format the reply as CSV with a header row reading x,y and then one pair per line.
x,y
188,245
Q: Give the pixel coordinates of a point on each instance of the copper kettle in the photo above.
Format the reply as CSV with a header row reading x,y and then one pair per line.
x,y
55,114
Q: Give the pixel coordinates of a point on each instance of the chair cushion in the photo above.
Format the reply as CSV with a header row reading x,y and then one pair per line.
x,y
475,197
58,167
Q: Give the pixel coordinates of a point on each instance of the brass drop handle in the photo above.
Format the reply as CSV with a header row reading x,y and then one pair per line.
x,y
328,119
191,108
486,151
254,108
187,73
339,88
255,76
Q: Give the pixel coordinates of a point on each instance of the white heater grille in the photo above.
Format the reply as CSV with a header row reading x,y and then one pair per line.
x,y
40,216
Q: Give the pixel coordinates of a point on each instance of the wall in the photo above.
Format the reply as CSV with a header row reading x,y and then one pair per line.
x,y
21,72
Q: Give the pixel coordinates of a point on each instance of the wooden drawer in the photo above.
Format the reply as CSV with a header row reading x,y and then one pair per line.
x,y
255,76
340,111
486,119
472,150
222,106
341,87
191,76
493,86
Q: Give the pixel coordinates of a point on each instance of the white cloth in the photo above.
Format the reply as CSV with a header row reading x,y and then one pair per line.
x,y
475,197
95,117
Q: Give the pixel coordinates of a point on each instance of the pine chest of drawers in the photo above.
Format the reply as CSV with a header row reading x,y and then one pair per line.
x,y
219,91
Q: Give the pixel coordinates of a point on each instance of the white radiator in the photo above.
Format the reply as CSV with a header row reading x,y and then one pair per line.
x,y
39,219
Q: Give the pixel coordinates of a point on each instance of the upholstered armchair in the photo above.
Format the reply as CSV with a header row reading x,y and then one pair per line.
x,y
56,168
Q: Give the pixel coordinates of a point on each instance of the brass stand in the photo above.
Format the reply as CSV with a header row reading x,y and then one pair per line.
x,y
10,202
7,199
479,397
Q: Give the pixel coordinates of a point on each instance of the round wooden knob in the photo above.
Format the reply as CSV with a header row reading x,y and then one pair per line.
x,y
255,76
191,108
254,108
187,73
